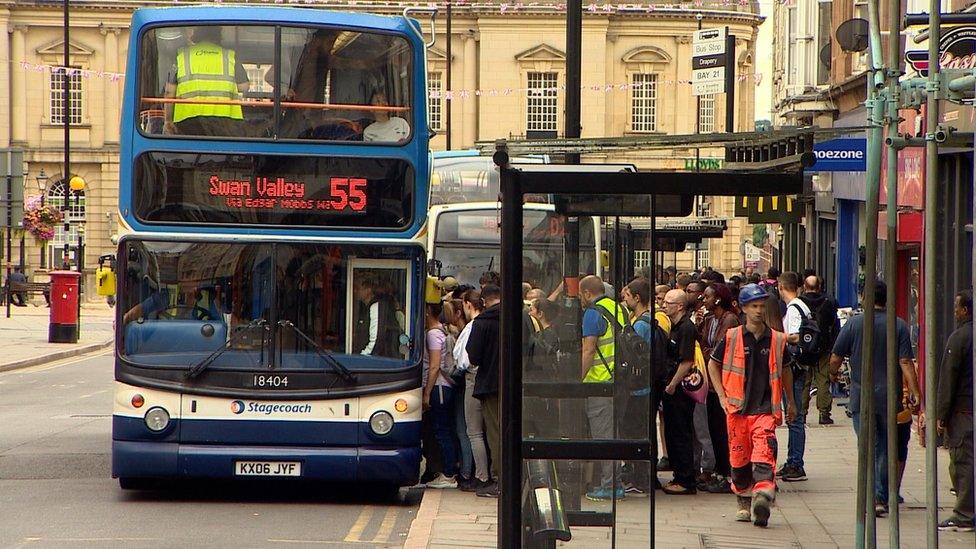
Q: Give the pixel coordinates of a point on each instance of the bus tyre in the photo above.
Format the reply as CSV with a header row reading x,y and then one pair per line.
x,y
130,483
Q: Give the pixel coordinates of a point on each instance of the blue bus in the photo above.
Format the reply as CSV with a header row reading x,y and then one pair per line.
x,y
274,189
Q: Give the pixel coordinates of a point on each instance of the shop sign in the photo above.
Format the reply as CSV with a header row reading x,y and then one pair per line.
x,y
848,154
704,164
911,165
957,50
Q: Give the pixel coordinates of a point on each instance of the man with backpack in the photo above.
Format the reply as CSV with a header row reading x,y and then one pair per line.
x,y
635,352
824,309
800,328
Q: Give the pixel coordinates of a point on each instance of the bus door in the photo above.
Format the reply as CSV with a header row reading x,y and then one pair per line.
x,y
378,287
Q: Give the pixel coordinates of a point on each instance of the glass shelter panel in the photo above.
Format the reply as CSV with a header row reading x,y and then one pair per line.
x,y
580,382
467,245
275,82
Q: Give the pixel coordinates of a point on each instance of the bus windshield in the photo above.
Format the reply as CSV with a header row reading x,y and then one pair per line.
x,y
259,305
467,243
275,82
461,179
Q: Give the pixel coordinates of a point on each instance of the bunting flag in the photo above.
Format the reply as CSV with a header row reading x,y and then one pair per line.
x,y
513,7
769,209
71,71
449,95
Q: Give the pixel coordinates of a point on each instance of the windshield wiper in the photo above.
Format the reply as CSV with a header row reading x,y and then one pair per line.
x,y
199,367
343,372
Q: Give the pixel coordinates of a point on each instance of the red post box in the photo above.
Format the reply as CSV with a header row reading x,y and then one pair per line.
x,y
64,307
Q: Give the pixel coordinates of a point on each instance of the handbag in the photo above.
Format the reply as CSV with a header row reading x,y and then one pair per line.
x,y
695,384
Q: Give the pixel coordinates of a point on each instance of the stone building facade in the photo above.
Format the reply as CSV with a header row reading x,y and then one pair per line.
x,y
506,58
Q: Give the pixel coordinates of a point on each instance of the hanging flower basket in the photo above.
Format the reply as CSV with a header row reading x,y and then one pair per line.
x,y
40,220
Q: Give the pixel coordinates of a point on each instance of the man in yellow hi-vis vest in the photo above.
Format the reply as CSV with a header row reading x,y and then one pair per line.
x,y
598,353
209,77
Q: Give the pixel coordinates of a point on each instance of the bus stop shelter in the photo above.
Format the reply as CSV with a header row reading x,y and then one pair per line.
x,y
545,448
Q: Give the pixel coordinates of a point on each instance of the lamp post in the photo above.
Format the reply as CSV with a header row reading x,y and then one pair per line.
x,y
42,179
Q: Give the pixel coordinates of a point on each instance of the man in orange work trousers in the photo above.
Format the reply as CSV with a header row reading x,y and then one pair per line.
x,y
749,369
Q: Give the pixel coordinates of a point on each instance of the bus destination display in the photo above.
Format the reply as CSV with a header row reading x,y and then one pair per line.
x,y
344,194
273,190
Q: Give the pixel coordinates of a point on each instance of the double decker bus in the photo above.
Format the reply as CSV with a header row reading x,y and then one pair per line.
x,y
274,181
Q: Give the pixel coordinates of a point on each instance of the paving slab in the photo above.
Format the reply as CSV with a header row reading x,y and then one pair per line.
x,y
24,335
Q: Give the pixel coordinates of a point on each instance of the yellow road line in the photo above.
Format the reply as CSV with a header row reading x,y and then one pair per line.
x,y
386,527
58,363
356,532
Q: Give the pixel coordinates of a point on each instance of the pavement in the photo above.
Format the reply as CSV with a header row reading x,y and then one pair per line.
x,y
23,336
817,513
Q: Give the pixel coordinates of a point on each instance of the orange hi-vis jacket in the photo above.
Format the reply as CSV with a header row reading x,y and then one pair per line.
x,y
734,371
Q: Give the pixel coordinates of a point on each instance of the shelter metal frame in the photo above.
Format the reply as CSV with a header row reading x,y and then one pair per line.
x,y
516,183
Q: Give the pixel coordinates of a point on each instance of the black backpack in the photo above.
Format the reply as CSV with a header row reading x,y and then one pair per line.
x,y
826,316
633,367
808,349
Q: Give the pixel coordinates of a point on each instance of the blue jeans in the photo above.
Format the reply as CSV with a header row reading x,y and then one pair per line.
x,y
461,432
442,415
881,452
798,427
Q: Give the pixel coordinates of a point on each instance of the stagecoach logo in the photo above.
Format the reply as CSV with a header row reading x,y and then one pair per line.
x,y
957,50
238,407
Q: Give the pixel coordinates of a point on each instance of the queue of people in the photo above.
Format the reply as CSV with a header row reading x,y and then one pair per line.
x,y
740,358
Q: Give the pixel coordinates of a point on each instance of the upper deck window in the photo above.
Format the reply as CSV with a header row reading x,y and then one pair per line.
x,y
267,82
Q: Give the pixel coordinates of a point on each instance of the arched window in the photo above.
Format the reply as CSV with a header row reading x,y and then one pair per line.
x,y
75,215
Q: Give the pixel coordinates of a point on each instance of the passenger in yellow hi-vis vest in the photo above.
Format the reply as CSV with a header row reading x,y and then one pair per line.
x,y
209,77
598,362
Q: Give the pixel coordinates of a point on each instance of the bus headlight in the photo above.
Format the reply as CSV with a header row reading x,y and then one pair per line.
x,y
381,422
157,419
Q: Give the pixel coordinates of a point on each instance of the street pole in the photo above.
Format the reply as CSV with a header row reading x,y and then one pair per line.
x,y
865,530
891,254
66,120
931,315
729,81
450,61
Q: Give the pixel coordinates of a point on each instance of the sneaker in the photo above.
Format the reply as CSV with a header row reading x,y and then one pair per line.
x,y
635,491
782,470
953,524
702,481
760,510
442,481
794,474
719,485
469,484
488,490
605,494
674,489
664,464
825,418
744,513
880,509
